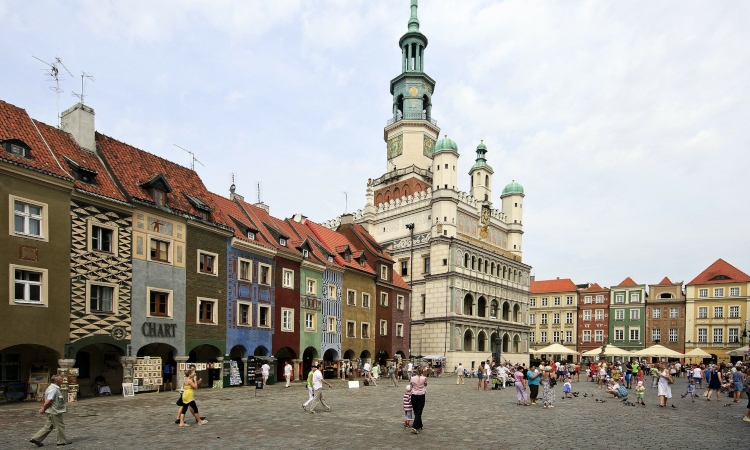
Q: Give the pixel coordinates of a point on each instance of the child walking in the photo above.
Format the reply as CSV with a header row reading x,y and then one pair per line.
x,y
408,410
690,390
640,390
566,389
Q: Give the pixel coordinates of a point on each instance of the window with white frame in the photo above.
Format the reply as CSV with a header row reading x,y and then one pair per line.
x,y
599,314
159,302
332,292
29,218
282,242
586,335
532,319
251,235
207,263
734,312
635,314
599,336
674,313
635,297
383,273
351,297
160,250
244,269
331,324
287,278
718,335
619,314
311,286
587,315
287,319
568,336
557,301
599,299
734,292
244,314
264,316
399,330
351,329
400,302
365,300
264,274
310,324
718,292
101,238
703,293
207,311
102,297
532,302
531,337
384,328
555,336
674,334
718,312
703,335
544,319
383,299
569,318
635,334
29,285
544,301
656,313
587,299
556,318
619,298
734,335
544,336
619,333
568,300
655,334
365,330
703,312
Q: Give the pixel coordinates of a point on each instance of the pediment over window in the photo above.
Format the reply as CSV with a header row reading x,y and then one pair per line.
x,y
158,181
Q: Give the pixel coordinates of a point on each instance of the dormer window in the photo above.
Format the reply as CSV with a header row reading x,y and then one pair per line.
x,y
251,235
86,177
158,196
282,242
305,252
330,258
203,215
17,148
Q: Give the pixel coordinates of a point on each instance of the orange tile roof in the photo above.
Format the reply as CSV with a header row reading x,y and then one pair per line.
x,y
265,223
666,281
339,242
15,123
133,167
627,282
720,272
558,285
399,282
594,287
369,242
319,250
230,209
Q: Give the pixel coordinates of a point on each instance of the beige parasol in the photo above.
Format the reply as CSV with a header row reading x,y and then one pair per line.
x,y
555,349
697,353
609,350
659,350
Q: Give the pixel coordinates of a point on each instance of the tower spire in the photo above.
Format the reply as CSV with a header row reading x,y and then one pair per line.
x,y
413,21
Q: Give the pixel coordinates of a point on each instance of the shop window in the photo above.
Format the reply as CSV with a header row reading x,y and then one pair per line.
x,y
331,324
383,299
287,319
102,298
244,314
29,218
264,274
310,324
351,297
207,263
245,271
160,303
83,363
29,285
288,279
365,330
160,250
10,367
264,316
207,311
351,329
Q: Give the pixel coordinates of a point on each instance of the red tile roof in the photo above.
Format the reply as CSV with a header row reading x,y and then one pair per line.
x,y
399,282
558,285
594,287
720,272
232,210
368,241
339,242
265,222
133,167
318,250
15,123
666,281
627,282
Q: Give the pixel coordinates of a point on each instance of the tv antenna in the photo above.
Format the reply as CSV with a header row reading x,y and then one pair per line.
x,y
346,201
84,76
259,191
53,72
192,155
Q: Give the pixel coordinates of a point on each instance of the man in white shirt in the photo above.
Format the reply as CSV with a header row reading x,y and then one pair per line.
x,y
54,406
459,374
698,377
265,369
409,369
287,373
318,381
502,373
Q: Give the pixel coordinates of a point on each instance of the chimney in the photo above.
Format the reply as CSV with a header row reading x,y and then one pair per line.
x,y
264,207
347,219
532,278
78,120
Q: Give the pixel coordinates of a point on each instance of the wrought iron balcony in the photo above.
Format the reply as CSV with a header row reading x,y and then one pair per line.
x,y
411,116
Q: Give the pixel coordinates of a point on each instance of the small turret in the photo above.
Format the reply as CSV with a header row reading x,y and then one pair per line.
x,y
512,198
481,176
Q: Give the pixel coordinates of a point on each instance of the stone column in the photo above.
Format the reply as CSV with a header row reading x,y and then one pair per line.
x,y
297,369
180,375
220,359
243,374
127,363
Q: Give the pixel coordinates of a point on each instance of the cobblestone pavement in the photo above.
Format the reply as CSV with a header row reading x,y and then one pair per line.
x,y
371,417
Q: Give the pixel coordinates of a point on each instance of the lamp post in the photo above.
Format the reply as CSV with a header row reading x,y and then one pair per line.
x,y
498,346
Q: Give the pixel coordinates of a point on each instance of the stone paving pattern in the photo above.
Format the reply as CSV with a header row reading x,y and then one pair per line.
x,y
372,417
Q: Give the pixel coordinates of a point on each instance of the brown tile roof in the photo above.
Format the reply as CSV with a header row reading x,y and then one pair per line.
x,y
265,223
594,287
318,250
133,167
339,243
627,282
558,285
15,123
399,282
230,209
720,272
666,281
368,241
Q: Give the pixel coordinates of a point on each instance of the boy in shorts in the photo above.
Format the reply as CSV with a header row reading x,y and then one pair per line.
x,y
640,391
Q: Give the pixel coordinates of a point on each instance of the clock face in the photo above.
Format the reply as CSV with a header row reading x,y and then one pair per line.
x,y
413,91
395,146
429,146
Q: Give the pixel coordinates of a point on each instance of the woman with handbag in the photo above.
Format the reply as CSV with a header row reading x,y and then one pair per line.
x,y
714,384
548,387
188,399
664,389
418,394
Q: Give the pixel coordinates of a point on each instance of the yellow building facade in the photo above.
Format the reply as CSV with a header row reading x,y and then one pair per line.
x,y
553,313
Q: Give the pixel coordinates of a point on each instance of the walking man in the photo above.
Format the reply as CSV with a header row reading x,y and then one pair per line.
x,y
54,406
392,375
410,369
318,381
460,376
265,369
287,373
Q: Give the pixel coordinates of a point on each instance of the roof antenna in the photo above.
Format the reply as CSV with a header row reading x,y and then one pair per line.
x,y
84,77
54,73
259,194
346,201
232,188
192,155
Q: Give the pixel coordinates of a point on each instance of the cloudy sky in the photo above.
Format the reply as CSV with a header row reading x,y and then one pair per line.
x,y
626,122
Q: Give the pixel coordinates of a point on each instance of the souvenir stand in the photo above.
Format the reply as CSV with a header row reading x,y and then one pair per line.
x,y
232,376
69,383
147,374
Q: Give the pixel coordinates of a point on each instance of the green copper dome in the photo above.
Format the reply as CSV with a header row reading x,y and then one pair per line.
x,y
513,188
481,146
446,144
481,162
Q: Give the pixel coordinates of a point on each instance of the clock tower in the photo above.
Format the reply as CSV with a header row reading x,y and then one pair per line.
x,y
411,132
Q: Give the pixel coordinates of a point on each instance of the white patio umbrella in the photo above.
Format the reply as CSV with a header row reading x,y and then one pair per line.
x,y
697,353
742,351
555,349
609,350
659,351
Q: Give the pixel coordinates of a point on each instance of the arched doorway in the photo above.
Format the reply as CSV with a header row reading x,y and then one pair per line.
x,y
260,351
18,361
102,360
468,337
468,305
506,311
506,343
481,341
282,356
236,354
516,313
310,354
516,344
481,307
382,358
350,355
330,363
365,355
206,354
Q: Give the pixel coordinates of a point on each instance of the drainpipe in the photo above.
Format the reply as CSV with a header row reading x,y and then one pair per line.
x,y
410,227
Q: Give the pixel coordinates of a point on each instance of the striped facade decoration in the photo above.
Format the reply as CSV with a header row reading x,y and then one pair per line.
x,y
332,307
